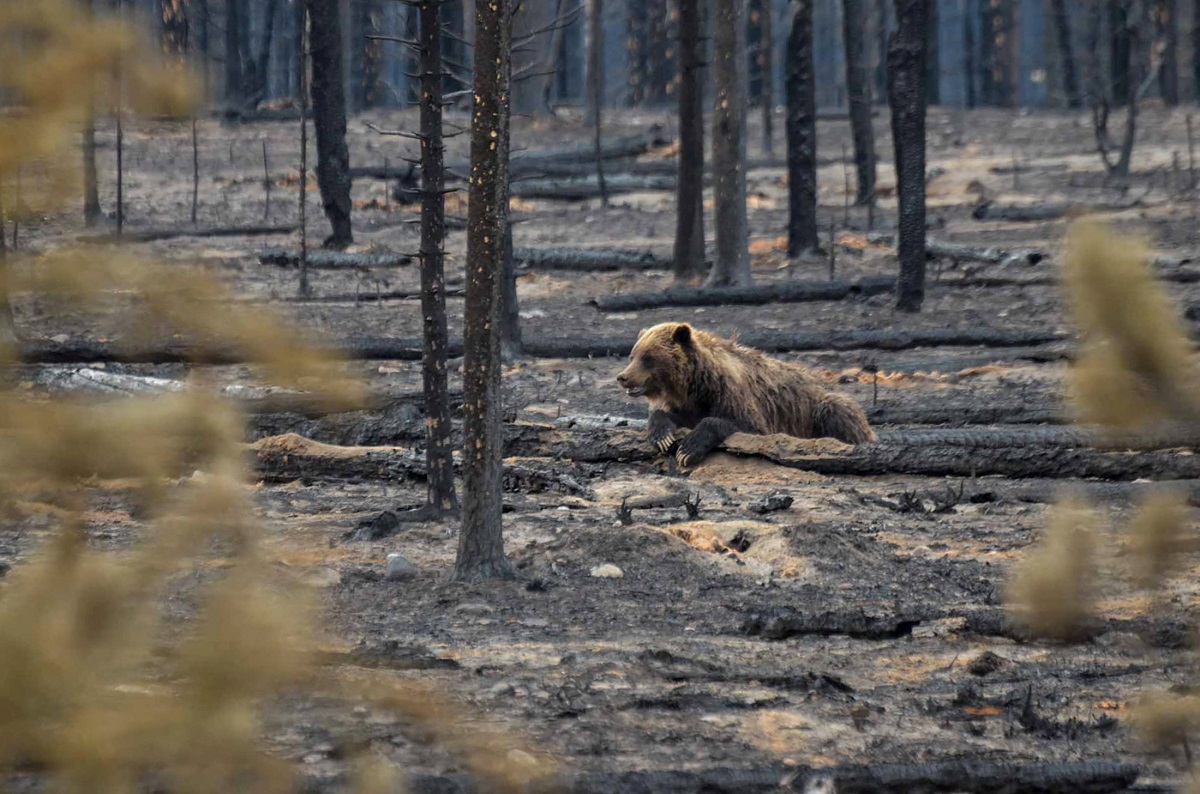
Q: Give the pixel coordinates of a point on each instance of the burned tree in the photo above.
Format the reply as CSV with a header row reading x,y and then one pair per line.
x,y
858,85
329,118
595,76
906,94
1120,53
234,76
801,132
481,539
1062,34
766,61
689,186
91,187
732,264
438,452
637,40
1135,82
1167,31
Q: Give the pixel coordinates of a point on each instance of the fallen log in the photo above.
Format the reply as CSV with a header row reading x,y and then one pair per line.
x,y
364,296
967,777
154,235
610,149
1041,212
784,292
968,253
91,351
1007,412
332,260
1031,168
588,259
291,457
588,187
248,116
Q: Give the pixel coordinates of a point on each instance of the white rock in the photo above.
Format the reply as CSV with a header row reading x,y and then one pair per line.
x,y
399,568
477,608
608,571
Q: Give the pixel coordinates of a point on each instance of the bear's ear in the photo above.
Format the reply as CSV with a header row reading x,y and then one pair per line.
x,y
683,335
641,333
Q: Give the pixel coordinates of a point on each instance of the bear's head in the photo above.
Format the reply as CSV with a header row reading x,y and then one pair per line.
x,y
658,366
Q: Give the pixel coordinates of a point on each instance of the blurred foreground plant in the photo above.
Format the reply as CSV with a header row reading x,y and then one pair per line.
x,y
97,691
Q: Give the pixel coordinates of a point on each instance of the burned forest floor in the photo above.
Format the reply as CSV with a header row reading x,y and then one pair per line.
x,y
853,619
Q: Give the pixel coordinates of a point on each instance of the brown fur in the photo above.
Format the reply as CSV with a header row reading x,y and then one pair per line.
x,y
697,374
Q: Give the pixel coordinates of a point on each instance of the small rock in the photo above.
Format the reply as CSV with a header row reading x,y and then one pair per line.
x,y
61,339
534,623
474,608
608,571
399,568
501,689
777,500
322,577
381,526
986,663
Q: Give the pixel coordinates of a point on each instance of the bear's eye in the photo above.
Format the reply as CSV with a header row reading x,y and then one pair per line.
x,y
647,361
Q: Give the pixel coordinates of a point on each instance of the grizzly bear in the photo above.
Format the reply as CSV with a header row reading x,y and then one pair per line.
x,y
716,387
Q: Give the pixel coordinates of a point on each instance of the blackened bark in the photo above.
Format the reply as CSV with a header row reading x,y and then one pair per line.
x,y
1062,33
91,189
439,447
933,68
732,265
906,78
969,68
1120,61
881,42
988,93
595,76
858,86
329,118
660,65
689,219
510,309
257,70
801,132
481,539
1196,49
766,59
234,82
1165,14
637,25
553,65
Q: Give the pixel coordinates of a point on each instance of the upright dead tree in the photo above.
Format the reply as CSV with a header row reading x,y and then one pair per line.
x,y
256,70
732,264
438,453
91,186
1167,32
1062,35
637,41
766,60
1120,53
481,539
595,77
329,118
906,94
801,88
933,68
234,75
858,86
689,187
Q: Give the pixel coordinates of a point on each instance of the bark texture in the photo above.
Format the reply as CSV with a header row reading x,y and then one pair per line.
x,y
801,132
481,539
689,219
906,93
732,264
329,118
1066,55
858,86
438,445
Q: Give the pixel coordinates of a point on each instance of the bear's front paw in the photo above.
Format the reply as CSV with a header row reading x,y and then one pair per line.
x,y
692,450
666,441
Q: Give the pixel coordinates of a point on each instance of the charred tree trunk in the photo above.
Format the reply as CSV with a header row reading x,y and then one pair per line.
x,y
329,118
766,59
659,66
1196,50
234,74
906,78
595,76
1165,17
637,43
439,448
553,65
880,45
1120,61
91,188
481,539
801,132
970,70
257,70
933,68
732,265
689,219
1062,34
858,86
